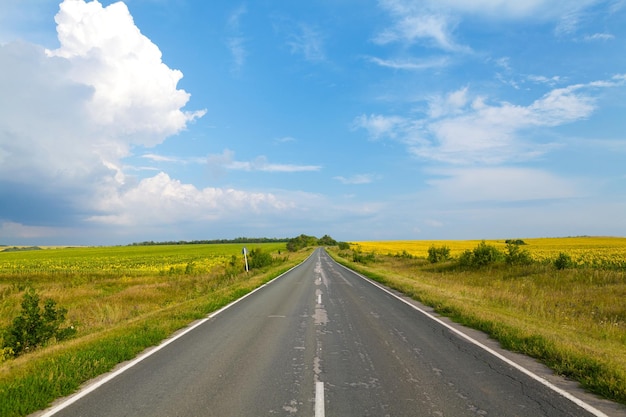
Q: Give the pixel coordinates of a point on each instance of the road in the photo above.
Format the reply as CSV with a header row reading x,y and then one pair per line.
x,y
320,341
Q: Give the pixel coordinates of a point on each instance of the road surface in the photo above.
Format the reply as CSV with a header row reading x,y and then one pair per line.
x,y
320,341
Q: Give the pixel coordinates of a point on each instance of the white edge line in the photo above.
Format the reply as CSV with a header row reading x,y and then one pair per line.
x,y
515,365
319,399
87,390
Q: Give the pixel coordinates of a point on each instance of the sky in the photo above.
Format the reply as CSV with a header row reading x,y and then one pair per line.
x,y
171,120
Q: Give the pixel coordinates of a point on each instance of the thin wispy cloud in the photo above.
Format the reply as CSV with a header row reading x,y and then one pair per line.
x,y
599,37
285,139
173,159
411,64
419,23
226,160
307,41
356,179
236,43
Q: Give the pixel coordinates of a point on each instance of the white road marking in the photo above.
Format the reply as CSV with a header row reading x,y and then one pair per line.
x,y
319,399
591,409
319,298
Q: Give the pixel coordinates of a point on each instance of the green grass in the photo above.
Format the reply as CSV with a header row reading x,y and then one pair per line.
x,y
573,320
119,305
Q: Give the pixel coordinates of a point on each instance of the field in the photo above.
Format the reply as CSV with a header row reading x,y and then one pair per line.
x,y
573,319
121,300
104,285
601,252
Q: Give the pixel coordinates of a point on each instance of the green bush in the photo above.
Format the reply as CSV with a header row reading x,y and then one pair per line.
x,y
34,326
343,245
258,259
563,261
482,255
516,255
360,257
438,254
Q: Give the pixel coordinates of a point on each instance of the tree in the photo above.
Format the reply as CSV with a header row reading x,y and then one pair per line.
x,y
34,326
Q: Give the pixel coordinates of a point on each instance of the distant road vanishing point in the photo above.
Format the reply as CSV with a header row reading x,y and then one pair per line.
x,y
321,340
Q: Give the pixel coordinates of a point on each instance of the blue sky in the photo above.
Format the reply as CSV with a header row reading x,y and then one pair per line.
x,y
366,120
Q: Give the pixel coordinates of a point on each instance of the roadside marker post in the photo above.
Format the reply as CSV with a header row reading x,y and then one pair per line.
x,y
245,256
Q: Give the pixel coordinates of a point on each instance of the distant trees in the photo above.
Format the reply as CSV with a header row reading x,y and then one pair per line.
x,y
303,241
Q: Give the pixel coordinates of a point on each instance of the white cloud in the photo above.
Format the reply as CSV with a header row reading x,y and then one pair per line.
x,y
411,64
498,9
356,179
413,23
285,139
461,129
433,22
135,94
76,111
236,43
73,114
307,41
161,200
238,51
226,160
379,126
545,80
599,37
234,20
173,159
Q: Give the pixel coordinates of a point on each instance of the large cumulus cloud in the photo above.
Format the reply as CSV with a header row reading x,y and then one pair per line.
x,y
69,116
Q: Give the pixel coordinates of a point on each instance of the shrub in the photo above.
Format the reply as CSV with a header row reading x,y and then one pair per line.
x,y
485,254
258,259
563,261
516,255
466,258
358,256
34,326
344,245
482,255
438,254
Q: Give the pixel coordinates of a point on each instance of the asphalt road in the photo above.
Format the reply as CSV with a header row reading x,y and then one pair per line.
x,y
320,341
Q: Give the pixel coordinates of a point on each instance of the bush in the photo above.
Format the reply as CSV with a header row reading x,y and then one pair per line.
x,y
34,327
358,256
563,261
344,246
438,254
482,255
485,254
258,259
516,255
